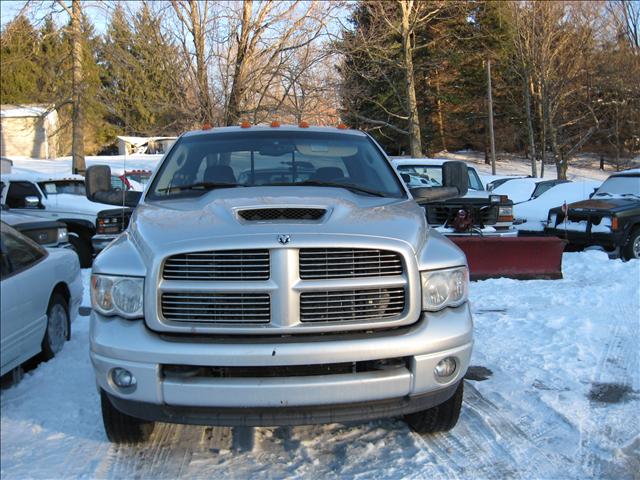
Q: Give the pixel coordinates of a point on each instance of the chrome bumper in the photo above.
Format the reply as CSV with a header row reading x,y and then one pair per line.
x,y
126,344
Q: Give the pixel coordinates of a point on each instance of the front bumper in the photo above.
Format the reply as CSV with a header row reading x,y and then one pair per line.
x,y
281,400
484,232
608,241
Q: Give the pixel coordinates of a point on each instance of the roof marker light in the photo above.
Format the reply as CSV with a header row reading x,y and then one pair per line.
x,y
245,125
342,126
303,124
275,124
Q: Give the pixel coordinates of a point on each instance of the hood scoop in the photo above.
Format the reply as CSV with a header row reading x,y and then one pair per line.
x,y
281,213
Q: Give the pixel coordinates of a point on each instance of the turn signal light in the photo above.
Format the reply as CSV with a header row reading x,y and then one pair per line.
x,y
303,124
245,125
614,223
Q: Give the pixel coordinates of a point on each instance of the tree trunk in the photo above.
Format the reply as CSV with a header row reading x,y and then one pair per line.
x,y
532,142
543,130
233,113
415,141
443,142
202,78
77,135
492,141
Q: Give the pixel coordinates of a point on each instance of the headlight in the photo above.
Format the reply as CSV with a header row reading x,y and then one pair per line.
x,y
444,288
551,221
495,198
123,296
505,211
63,235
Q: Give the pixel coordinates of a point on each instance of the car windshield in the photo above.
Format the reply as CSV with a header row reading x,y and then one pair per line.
x,y
620,186
72,187
261,158
431,176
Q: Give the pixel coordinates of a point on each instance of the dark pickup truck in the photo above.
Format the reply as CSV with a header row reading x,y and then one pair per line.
x,y
610,219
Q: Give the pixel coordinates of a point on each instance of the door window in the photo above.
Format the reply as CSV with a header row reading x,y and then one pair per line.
x,y
17,193
18,251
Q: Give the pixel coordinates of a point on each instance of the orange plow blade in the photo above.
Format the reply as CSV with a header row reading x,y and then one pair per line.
x,y
522,258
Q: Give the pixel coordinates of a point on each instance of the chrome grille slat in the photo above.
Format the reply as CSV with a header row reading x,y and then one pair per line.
x,y
228,265
325,263
354,305
216,308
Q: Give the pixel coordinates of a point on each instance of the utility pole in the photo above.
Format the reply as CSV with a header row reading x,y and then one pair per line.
x,y
490,106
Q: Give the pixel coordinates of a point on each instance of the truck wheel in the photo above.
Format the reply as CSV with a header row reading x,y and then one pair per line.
x,y
631,249
122,428
440,418
82,250
57,331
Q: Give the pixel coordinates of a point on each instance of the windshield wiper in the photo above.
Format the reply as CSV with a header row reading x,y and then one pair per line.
x,y
320,183
201,185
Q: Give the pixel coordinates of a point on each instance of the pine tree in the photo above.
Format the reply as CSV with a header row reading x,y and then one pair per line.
x,y
19,62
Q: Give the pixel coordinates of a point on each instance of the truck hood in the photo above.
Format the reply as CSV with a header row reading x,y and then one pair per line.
x,y
605,204
66,202
172,224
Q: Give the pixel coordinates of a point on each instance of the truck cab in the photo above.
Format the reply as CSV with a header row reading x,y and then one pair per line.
x,y
58,198
278,275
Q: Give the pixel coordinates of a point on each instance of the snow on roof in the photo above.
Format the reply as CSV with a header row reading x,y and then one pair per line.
x,y
28,176
21,111
138,141
418,161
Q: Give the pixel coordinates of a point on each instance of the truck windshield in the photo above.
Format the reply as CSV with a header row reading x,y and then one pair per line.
x,y
73,187
263,158
618,186
431,176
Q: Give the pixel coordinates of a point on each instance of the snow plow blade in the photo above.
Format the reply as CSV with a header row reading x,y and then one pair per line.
x,y
522,258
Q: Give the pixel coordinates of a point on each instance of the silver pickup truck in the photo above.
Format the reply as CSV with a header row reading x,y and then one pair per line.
x,y
278,276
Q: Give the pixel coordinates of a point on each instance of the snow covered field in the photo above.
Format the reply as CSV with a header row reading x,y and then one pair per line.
x,y
554,393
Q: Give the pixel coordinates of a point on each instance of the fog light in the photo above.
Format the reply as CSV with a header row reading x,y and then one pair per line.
x,y
445,368
123,378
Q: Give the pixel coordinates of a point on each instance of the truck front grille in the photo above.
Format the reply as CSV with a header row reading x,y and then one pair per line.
x,y
323,263
351,305
217,307
441,214
43,236
228,265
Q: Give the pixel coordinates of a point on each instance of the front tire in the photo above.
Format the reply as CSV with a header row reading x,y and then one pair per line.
x,y
123,428
631,248
82,249
58,327
440,418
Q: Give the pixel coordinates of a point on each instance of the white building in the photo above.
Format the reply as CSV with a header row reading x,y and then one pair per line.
x,y
28,131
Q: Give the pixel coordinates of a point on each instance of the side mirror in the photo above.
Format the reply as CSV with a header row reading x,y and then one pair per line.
x,y
98,188
31,202
455,184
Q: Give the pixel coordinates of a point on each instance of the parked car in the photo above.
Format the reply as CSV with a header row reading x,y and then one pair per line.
x,y
531,216
492,182
47,233
56,197
300,301
41,291
610,219
478,212
524,189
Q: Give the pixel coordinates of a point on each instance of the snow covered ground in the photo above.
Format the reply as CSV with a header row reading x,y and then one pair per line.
x,y
554,393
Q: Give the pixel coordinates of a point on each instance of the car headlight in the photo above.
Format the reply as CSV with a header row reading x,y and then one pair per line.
x,y
505,211
444,288
123,296
551,221
63,235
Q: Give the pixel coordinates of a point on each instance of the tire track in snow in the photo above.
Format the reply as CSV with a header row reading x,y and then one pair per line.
x,y
486,443
618,365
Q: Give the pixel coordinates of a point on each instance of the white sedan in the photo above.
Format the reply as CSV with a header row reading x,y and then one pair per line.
x,y
40,293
